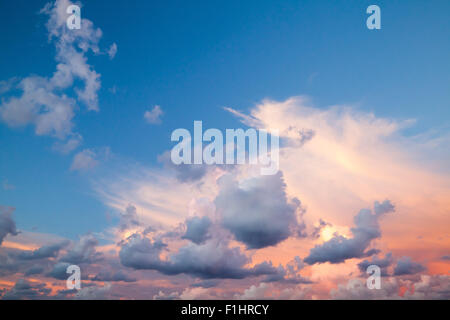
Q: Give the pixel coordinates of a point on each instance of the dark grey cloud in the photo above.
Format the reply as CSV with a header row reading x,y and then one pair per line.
x,y
59,271
47,251
83,251
446,257
7,224
25,290
405,266
289,274
197,229
113,276
210,260
129,218
34,270
257,211
338,249
383,263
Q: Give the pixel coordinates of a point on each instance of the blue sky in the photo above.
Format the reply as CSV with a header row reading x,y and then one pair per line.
x,y
192,59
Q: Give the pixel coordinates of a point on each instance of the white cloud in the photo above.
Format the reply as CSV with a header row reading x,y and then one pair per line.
x,y
89,158
112,51
154,116
44,101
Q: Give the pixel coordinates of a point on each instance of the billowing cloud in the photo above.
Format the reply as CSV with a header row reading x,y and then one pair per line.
x,y
406,266
83,251
213,259
340,248
45,102
7,224
47,251
26,290
197,229
257,211
383,263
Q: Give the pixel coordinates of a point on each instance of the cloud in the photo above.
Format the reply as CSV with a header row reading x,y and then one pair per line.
x,y
184,172
197,229
89,158
48,251
25,290
338,249
94,293
112,51
153,116
383,263
45,102
83,251
7,224
213,259
436,287
268,291
406,266
107,276
257,211
128,219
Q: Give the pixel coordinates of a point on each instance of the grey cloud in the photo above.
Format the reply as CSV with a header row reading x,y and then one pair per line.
x,y
83,251
24,289
213,259
197,229
383,263
109,276
338,249
405,266
48,251
257,211
129,218
7,224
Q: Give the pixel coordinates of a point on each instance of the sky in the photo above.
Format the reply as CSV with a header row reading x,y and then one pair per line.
x,y
86,118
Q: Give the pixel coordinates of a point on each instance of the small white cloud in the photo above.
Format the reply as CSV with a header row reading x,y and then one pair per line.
x,y
154,116
69,145
89,158
112,51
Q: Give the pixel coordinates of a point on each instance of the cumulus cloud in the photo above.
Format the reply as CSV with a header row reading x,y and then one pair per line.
x,y
213,259
83,251
339,248
128,219
153,116
47,251
7,224
111,276
406,266
94,293
383,263
26,290
45,102
257,211
197,229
